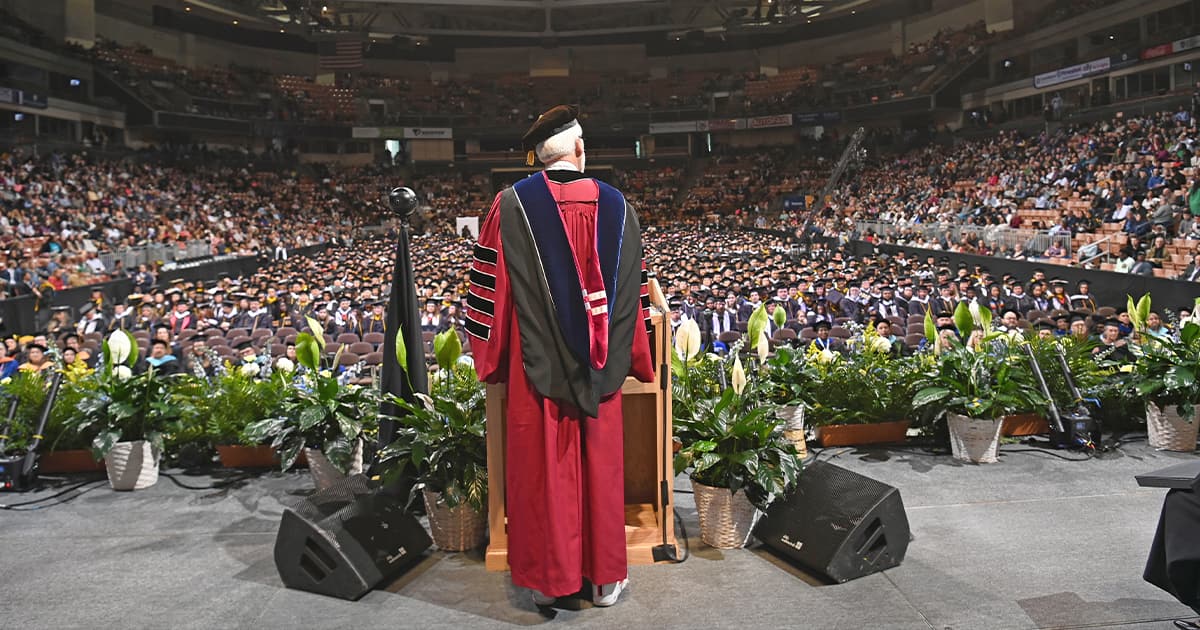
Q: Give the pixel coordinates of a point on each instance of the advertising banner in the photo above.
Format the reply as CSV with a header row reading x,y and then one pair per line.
x,y
1071,73
765,122
1155,52
434,133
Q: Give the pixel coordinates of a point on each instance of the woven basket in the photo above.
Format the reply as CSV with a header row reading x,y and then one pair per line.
x,y
132,465
454,528
726,519
1168,431
793,427
974,440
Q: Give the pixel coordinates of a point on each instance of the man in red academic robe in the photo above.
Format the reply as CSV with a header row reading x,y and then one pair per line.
x,y
558,310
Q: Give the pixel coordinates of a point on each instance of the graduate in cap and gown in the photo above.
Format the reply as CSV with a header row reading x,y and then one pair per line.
x,y
558,310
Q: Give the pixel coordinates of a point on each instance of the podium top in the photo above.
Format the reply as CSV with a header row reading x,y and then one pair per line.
x,y
1185,476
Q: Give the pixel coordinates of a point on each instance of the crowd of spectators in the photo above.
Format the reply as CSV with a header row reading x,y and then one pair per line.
x,y
716,277
61,214
1115,187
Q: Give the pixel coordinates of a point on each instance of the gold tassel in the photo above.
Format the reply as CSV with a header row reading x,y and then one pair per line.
x,y
529,159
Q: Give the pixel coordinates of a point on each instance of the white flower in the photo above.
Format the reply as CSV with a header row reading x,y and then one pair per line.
x,y
325,373
826,356
973,307
739,376
250,369
122,372
119,345
879,344
764,346
285,364
687,340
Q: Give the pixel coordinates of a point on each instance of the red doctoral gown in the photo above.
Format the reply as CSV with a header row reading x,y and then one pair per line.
x,y
542,322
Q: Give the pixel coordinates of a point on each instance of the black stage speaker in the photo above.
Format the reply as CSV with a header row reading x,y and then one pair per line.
x,y
838,523
344,540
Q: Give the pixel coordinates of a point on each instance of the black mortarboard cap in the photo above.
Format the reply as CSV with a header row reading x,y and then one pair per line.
x,y
553,121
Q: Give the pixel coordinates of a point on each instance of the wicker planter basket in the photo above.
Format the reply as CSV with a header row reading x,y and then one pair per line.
x,y
974,440
132,465
454,528
726,519
793,427
1168,431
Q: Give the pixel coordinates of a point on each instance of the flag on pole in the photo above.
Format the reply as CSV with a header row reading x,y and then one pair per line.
x,y
340,55
402,317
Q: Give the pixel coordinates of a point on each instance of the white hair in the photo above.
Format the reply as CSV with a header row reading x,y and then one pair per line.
x,y
558,145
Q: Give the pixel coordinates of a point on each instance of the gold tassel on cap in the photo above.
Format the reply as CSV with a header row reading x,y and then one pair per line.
x,y
529,158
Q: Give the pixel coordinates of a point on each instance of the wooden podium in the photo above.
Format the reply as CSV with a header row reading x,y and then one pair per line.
x,y
647,412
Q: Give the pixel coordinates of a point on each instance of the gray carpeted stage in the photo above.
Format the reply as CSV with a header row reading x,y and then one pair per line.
x,y
1031,542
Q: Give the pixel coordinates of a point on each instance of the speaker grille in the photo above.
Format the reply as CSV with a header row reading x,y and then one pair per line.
x,y
845,496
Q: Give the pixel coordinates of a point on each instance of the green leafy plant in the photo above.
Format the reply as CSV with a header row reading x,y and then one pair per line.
x,y
318,412
61,434
441,441
864,387
987,382
124,406
237,400
733,442
29,390
1165,369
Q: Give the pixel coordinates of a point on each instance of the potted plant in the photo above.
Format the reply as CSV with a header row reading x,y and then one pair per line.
x,y
129,414
441,443
320,416
974,384
69,447
788,377
736,455
1164,374
237,400
861,397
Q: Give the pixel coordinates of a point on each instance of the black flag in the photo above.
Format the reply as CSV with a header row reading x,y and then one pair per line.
x,y
402,314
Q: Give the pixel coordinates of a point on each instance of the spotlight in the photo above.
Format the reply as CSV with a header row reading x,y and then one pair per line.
x,y
235,22
74,82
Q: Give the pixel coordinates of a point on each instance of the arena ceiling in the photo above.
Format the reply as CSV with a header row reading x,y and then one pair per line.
x,y
549,19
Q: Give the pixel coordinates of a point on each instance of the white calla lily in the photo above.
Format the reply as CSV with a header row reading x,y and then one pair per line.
x,y
122,372
975,313
285,364
738,380
119,346
764,346
687,340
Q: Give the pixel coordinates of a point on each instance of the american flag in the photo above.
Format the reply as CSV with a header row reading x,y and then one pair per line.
x,y
342,55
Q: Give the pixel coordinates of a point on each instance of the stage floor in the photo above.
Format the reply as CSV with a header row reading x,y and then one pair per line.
x,y
1031,542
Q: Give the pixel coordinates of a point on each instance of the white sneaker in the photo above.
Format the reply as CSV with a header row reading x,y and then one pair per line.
x,y
607,594
542,600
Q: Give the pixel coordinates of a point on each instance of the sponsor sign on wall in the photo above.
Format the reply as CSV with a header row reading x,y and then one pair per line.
x,y
1155,52
1071,73
765,122
435,133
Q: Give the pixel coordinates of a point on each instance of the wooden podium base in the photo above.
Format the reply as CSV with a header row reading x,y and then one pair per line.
x,y
642,535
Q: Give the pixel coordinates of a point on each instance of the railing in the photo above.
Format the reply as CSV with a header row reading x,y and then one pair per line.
x,y
1033,242
131,257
